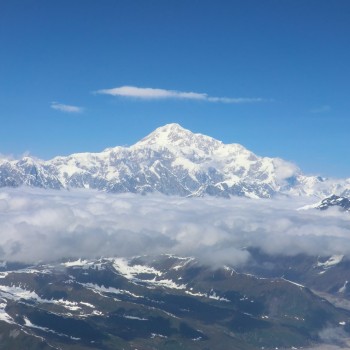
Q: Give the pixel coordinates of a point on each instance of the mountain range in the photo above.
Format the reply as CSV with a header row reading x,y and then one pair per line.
x,y
173,161
162,302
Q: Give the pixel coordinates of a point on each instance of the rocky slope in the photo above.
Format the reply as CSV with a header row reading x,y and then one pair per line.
x,y
335,201
163,302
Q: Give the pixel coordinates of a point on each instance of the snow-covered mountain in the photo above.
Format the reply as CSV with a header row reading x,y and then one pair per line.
x,y
173,161
334,201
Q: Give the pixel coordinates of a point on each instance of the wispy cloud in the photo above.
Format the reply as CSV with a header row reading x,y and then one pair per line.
x,y
66,108
6,157
162,94
321,109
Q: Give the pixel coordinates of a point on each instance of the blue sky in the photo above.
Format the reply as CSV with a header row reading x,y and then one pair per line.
x,y
272,75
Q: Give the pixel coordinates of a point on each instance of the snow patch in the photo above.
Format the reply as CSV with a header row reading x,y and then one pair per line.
x,y
332,261
132,271
4,316
135,318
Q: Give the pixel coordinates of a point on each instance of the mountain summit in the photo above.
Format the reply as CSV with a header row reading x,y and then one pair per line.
x,y
175,136
173,161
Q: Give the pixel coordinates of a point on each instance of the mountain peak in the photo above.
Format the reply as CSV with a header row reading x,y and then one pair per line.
x,y
166,133
342,202
172,127
174,161
174,135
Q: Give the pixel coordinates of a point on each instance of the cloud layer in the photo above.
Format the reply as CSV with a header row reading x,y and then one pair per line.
x,y
42,225
162,94
66,108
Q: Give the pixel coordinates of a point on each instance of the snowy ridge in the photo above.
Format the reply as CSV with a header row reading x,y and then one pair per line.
x,y
340,202
334,201
173,161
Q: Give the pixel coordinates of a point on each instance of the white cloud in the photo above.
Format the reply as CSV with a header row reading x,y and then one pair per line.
x,y
284,169
49,225
66,108
161,94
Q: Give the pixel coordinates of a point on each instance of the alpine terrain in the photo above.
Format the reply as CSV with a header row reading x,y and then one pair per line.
x,y
173,161
164,302
335,201
278,297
